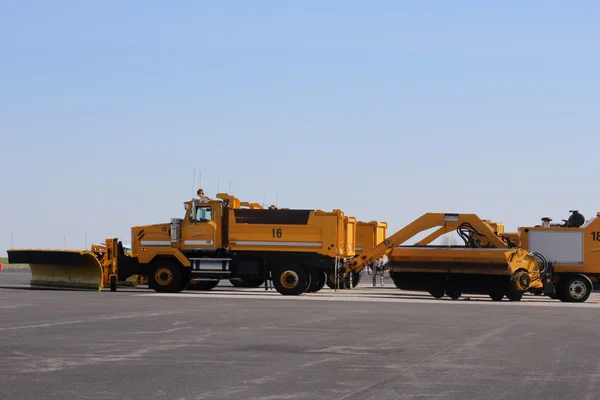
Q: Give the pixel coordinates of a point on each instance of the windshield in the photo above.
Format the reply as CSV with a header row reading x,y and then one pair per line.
x,y
202,214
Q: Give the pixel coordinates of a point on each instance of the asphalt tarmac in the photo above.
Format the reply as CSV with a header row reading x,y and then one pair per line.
x,y
367,343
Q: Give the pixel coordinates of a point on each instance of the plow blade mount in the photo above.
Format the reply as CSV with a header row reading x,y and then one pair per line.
x,y
61,269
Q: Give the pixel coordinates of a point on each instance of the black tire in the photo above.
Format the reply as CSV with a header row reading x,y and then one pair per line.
x,y
237,282
438,294
247,282
331,283
514,293
514,296
292,280
355,279
321,281
453,294
203,285
113,283
317,281
497,296
166,276
185,281
395,279
575,290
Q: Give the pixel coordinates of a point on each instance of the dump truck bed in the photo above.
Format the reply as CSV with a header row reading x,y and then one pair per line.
x,y
327,233
369,234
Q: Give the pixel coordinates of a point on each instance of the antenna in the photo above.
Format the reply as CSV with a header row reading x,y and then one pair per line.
x,y
218,185
229,187
194,183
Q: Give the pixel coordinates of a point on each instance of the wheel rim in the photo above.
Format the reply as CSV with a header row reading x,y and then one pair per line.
x,y
524,281
289,279
163,276
577,289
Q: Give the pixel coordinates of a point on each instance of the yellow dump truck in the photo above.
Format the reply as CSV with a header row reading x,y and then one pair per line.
x,y
296,249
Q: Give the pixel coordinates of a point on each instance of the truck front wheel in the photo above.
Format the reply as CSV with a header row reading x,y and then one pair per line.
x,y
291,281
165,276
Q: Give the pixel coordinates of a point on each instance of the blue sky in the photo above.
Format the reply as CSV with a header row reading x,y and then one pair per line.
x,y
384,109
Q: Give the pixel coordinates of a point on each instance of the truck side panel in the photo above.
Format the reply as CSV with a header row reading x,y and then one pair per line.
x,y
287,230
369,234
349,245
571,250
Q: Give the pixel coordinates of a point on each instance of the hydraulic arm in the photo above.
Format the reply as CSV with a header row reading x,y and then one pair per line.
x,y
472,228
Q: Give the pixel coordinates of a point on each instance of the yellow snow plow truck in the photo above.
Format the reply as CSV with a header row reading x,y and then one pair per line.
x,y
296,249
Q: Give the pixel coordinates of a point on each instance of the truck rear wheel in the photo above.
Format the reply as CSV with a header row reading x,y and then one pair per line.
x,y
247,282
317,281
576,290
355,280
514,296
291,281
203,285
497,296
453,294
331,284
165,276
395,279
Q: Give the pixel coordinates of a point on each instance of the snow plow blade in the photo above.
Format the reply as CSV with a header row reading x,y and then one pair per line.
x,y
61,269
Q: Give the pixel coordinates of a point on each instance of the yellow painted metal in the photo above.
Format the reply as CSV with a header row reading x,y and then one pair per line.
x,y
517,264
488,261
349,236
369,234
77,270
445,222
207,225
72,269
254,206
327,233
145,254
590,251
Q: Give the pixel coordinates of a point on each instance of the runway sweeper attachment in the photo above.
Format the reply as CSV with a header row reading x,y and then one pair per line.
x,y
485,264
454,271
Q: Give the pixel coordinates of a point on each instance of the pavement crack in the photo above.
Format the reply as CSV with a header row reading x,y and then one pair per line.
x,y
470,343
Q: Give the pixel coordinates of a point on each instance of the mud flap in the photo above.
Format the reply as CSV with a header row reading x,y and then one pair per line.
x,y
549,288
61,269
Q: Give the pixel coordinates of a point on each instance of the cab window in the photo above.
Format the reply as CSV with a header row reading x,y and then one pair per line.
x,y
203,214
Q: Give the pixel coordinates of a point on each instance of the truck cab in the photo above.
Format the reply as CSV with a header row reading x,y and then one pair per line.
x,y
201,228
